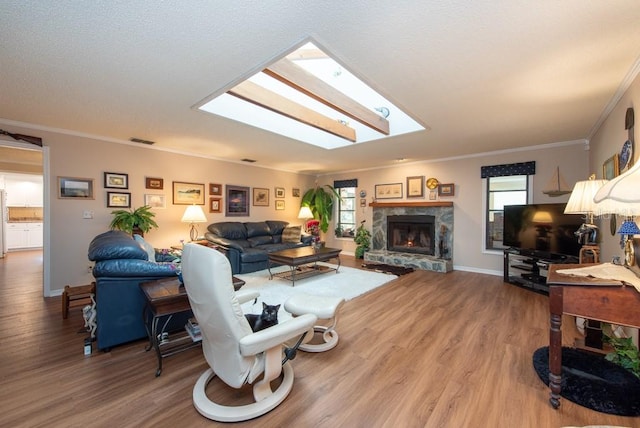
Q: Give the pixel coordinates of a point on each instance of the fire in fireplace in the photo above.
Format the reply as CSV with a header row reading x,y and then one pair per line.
x,y
411,234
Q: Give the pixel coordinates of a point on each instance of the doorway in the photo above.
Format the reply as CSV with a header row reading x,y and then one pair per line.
x,y
22,160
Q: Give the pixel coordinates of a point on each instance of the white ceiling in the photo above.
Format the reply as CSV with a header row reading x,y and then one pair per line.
x,y
483,75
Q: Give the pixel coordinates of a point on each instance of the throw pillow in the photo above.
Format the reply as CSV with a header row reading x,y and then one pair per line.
x,y
291,234
151,253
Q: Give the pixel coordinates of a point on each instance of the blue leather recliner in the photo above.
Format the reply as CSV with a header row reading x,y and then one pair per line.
x,y
121,264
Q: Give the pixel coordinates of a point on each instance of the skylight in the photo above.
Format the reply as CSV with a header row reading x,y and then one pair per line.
x,y
309,97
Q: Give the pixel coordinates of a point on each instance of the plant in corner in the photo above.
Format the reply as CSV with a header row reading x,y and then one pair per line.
x,y
130,221
625,353
320,202
363,239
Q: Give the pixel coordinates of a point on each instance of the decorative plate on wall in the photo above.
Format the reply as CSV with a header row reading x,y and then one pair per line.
x,y
626,154
432,183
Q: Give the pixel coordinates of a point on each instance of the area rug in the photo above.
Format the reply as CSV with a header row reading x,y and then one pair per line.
x,y
347,283
593,382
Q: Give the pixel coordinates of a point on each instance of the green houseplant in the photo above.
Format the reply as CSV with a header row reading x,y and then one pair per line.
x,y
363,239
320,201
625,353
133,221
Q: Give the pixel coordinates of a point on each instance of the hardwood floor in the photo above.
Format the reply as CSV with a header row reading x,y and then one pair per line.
x,y
426,350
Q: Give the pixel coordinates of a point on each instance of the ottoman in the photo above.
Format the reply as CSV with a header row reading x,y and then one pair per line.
x,y
323,307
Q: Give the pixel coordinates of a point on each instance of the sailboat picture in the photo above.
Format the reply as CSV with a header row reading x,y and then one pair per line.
x,y
557,186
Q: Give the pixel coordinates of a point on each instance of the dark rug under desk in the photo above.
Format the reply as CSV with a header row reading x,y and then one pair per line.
x,y
593,382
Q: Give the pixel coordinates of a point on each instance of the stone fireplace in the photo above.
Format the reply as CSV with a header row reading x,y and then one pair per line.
x,y
411,234
422,240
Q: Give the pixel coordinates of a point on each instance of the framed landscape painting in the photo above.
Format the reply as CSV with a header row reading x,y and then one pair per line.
x,y
75,188
188,193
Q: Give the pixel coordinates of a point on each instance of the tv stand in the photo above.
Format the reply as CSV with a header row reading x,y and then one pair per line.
x,y
529,268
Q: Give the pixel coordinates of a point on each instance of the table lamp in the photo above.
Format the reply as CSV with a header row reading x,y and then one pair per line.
x,y
305,214
581,202
622,196
194,214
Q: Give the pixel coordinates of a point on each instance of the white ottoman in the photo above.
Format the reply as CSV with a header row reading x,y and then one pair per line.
x,y
323,307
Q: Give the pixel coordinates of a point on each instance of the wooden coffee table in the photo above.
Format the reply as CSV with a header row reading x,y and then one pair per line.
x,y
303,262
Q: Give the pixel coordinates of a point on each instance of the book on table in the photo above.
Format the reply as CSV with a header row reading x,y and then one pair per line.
x,y
193,329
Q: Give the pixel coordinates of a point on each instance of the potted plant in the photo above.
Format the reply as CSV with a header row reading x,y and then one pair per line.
x,y
363,239
320,202
137,221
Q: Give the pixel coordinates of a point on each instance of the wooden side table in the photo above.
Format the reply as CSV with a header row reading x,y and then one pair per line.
x,y
593,298
166,298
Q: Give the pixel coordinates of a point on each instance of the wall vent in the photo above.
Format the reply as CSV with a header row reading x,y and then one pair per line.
x,y
141,141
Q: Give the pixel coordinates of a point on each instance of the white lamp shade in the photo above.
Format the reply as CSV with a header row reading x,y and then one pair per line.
x,y
194,214
620,195
581,199
305,213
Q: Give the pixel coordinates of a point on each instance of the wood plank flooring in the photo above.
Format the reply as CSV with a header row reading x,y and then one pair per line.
x,y
427,350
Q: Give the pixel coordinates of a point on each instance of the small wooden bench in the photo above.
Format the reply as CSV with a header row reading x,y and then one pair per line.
x,y
76,293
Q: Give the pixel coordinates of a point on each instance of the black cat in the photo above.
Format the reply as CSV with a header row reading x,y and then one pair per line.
x,y
268,317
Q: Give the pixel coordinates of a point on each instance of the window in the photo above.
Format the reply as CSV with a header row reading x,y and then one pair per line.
x,y
506,185
346,218
511,190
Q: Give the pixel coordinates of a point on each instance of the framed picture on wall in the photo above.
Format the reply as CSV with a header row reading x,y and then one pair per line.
x,y
155,201
118,200
153,183
388,191
415,187
116,180
279,204
188,193
237,201
215,205
215,189
75,188
611,167
260,197
279,192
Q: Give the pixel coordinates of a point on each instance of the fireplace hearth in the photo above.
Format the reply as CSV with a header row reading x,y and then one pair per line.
x,y
411,234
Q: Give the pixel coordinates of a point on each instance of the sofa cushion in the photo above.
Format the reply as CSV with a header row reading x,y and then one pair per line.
x,y
258,228
260,240
291,234
151,253
277,226
252,255
229,230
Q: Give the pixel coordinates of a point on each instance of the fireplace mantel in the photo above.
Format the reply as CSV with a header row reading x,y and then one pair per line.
x,y
410,204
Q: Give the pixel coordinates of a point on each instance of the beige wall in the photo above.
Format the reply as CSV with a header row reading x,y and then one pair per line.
x,y
78,156
606,142
75,156
468,254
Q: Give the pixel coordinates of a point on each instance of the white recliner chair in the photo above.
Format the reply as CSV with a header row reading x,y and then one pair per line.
x,y
235,354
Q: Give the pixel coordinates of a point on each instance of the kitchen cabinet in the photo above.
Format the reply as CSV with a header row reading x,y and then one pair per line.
x,y
24,193
24,235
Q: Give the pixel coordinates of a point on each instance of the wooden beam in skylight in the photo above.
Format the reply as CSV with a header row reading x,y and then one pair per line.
x,y
291,74
270,100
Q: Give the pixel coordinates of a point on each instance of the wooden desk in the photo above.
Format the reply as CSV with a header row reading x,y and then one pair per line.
x,y
598,299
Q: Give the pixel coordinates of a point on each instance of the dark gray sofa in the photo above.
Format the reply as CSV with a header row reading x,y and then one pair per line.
x,y
247,245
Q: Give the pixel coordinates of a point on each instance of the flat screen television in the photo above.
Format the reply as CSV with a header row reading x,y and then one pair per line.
x,y
542,229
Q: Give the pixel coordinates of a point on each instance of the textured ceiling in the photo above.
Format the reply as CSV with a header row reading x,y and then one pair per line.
x,y
482,75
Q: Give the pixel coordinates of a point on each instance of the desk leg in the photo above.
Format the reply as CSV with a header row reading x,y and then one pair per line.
x,y
555,345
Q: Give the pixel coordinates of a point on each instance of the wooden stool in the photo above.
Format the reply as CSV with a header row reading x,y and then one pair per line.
x,y
75,293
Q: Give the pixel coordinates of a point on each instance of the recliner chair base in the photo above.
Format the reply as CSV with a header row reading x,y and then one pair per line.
x,y
217,412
